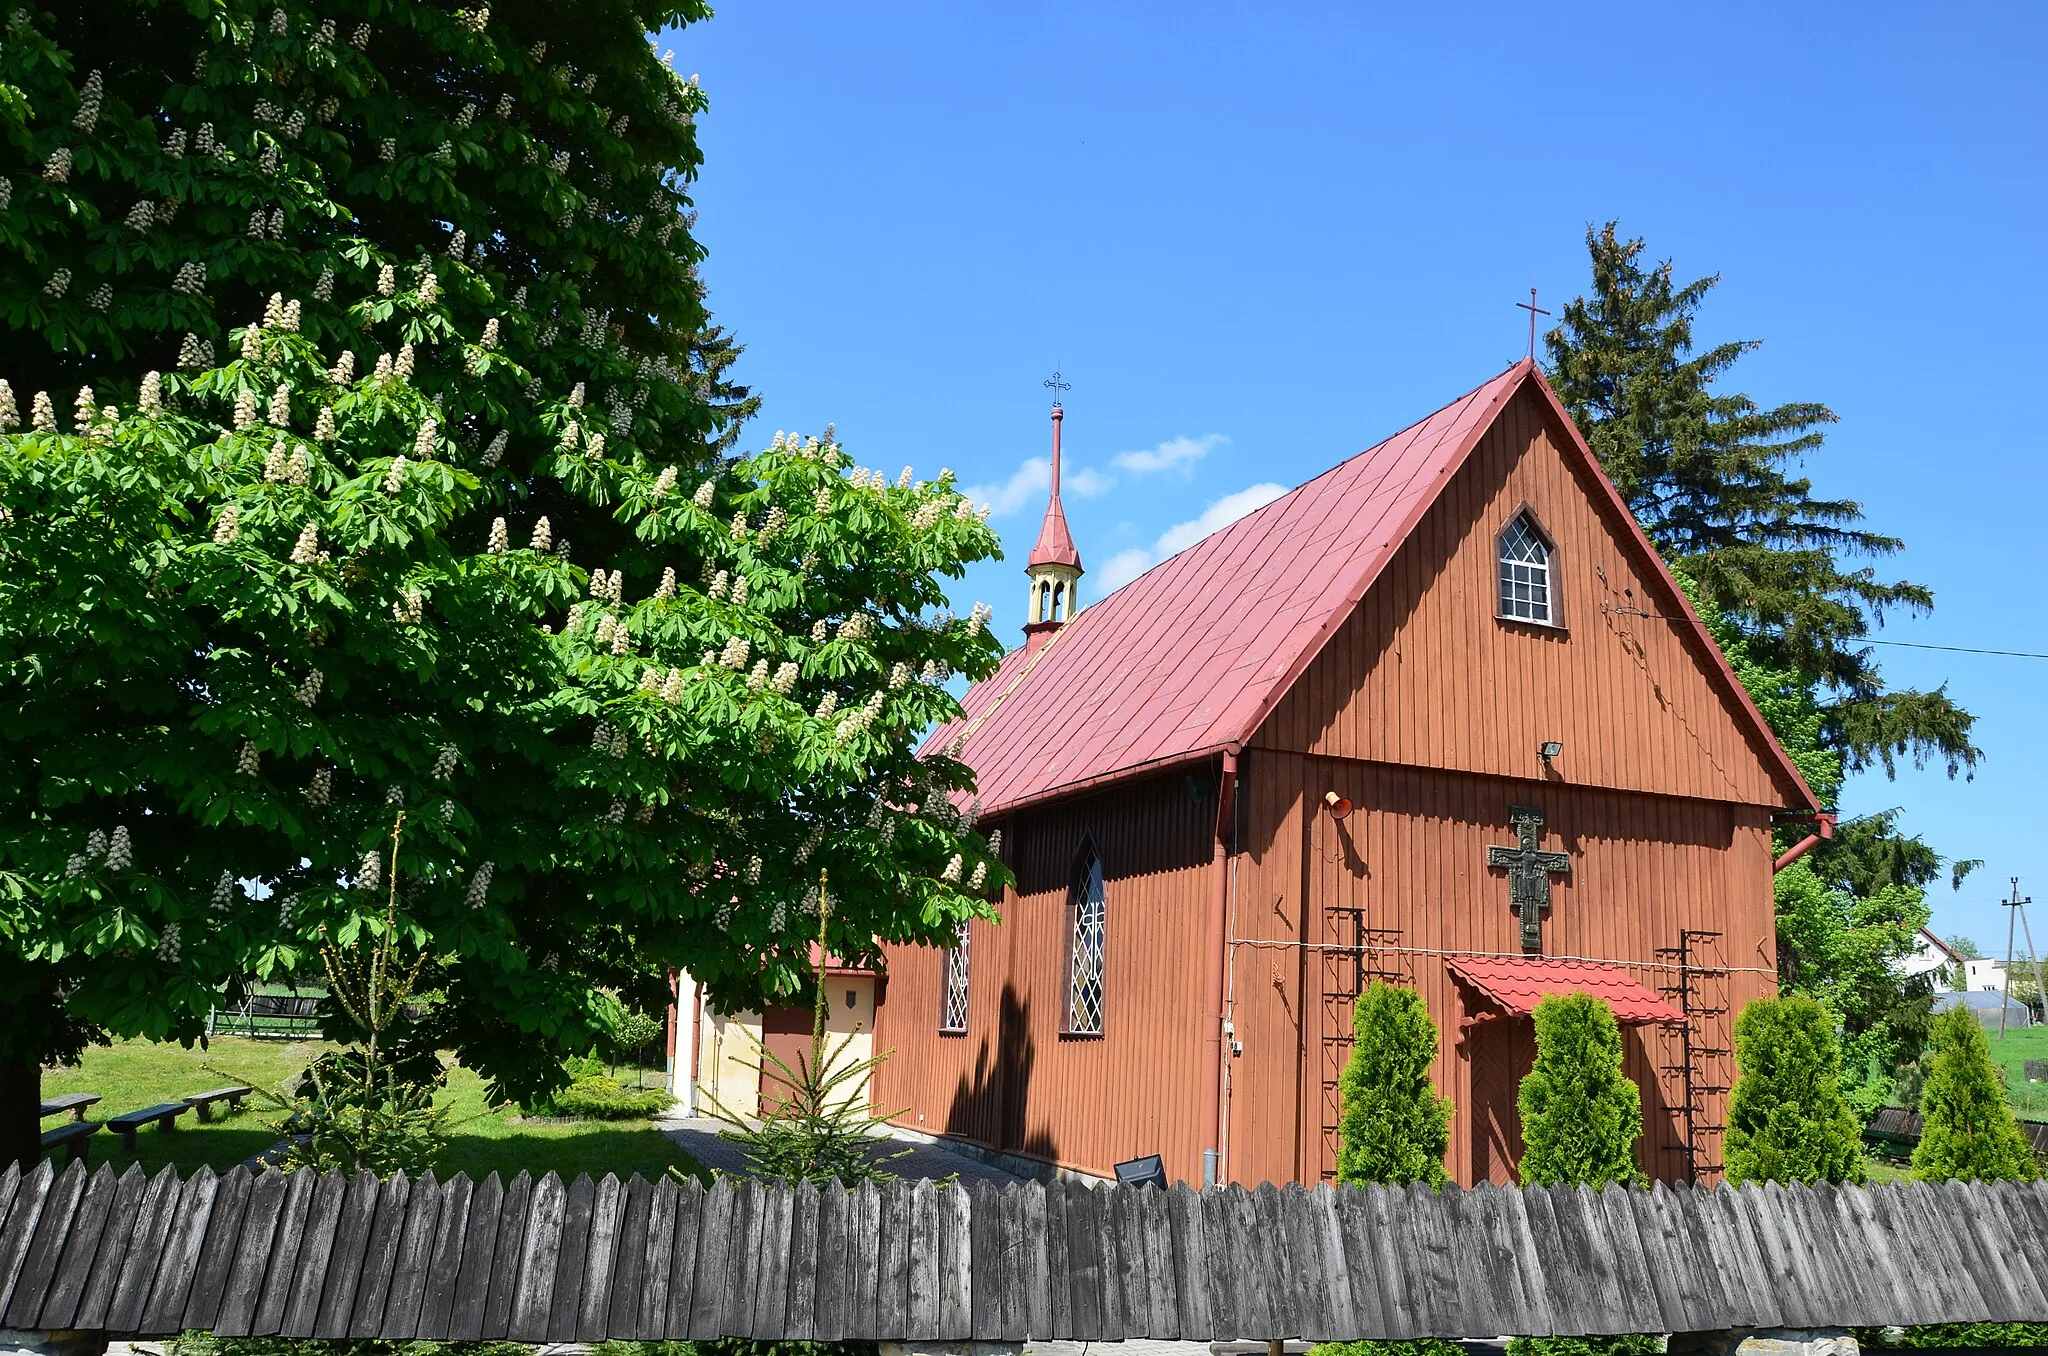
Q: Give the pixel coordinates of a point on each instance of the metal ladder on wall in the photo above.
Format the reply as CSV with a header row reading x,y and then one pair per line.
x,y
1346,967
1700,992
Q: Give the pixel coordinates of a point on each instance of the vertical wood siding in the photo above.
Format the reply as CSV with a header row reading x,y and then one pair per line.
x,y
1412,855
1424,674
1013,1081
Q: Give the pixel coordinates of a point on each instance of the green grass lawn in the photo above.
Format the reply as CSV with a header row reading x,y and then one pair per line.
x,y
2012,1050
130,1075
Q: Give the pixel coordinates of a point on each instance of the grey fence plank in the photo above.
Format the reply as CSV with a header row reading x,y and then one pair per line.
x,y
990,1282
486,1252
651,1321
600,1262
145,1247
1740,1255
1220,1227
365,1246
1843,1264
89,1224
1706,1289
1299,1254
1985,1270
20,1232
1438,1274
218,1249
1084,1261
800,1322
1162,1286
574,1249
447,1260
1783,1211
1030,1312
44,1247
865,1224
1927,1297
832,1279
768,1244
956,1262
1190,1258
711,1297
407,1294
1058,1292
1665,1266
1477,1261
921,1311
534,1293
1596,1287
10,1184
192,1214
629,1267
1123,1275
684,1251
330,1254
2013,1202
255,1253
1327,1239
1362,1264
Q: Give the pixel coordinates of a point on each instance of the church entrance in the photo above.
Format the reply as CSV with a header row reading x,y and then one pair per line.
x,y
1501,1051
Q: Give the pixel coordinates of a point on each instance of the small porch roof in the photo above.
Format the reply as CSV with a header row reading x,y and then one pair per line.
x,y
1515,984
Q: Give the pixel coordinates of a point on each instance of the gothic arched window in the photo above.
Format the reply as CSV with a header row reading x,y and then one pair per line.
x,y
1525,593
1085,917
953,1005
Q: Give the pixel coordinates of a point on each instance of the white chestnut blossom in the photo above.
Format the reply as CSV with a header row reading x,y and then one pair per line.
x,y
42,414
224,892
59,283
57,169
409,608
739,591
323,425
757,679
785,679
360,39
307,549
323,289
480,883
500,540
826,706
228,527
370,872
394,479
309,690
402,367
423,444
541,536
494,453
190,279
10,414
245,408
281,406
735,654
445,762
247,760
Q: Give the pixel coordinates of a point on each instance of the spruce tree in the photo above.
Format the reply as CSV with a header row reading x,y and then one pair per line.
x,y
1967,1130
1581,1115
1787,1118
360,450
1394,1128
1711,476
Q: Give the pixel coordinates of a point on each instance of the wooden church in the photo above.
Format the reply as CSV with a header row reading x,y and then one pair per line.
x,y
1439,715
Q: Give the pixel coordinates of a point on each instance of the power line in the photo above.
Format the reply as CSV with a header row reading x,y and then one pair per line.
x,y
1858,640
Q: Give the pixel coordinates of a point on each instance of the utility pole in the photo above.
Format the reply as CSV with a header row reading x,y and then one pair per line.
x,y
2040,989
2011,919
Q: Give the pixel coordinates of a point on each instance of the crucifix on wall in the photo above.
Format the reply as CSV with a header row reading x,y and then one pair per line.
x,y
1529,870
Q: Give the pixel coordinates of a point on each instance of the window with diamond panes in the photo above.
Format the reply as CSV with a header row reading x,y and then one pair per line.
x,y
953,1013
1084,950
1524,572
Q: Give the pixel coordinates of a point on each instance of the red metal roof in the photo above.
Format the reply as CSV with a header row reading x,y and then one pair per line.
x,y
1189,658
1055,544
1517,983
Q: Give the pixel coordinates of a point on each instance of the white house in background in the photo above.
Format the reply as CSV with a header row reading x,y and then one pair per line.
x,y
717,1055
1988,974
1933,957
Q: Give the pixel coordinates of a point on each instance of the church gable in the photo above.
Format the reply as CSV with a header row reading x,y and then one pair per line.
x,y
1523,607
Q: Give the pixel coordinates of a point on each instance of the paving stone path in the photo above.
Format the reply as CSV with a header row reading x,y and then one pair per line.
x,y
698,1137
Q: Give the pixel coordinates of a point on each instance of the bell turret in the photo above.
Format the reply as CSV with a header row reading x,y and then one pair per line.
x,y
1054,569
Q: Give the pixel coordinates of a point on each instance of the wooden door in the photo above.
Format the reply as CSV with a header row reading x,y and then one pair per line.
x,y
786,1034
1501,1051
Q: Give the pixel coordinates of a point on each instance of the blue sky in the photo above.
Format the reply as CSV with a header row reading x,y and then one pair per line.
x,y
1259,238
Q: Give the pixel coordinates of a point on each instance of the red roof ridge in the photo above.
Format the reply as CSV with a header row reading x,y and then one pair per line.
x,y
1193,655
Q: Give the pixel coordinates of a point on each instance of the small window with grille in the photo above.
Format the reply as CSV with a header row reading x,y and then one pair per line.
x,y
1525,572
953,1008
1084,950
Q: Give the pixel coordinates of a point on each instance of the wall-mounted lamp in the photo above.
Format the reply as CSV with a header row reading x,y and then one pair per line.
x,y
1549,749
1339,806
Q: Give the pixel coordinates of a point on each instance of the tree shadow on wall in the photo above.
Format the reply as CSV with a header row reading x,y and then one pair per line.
x,y
992,1106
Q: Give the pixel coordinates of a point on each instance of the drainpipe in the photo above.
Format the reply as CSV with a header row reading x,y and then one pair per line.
x,y
1824,828
1219,941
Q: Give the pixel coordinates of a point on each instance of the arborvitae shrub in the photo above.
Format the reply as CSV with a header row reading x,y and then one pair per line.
x,y
1395,1128
1968,1132
1787,1118
1581,1115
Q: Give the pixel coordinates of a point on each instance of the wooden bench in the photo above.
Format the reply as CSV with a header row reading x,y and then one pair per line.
x,y
73,1102
165,1115
72,1136
202,1102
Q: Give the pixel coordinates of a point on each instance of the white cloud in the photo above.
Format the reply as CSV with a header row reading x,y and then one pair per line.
x,y
1027,484
1125,566
1089,483
1174,452
1031,482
